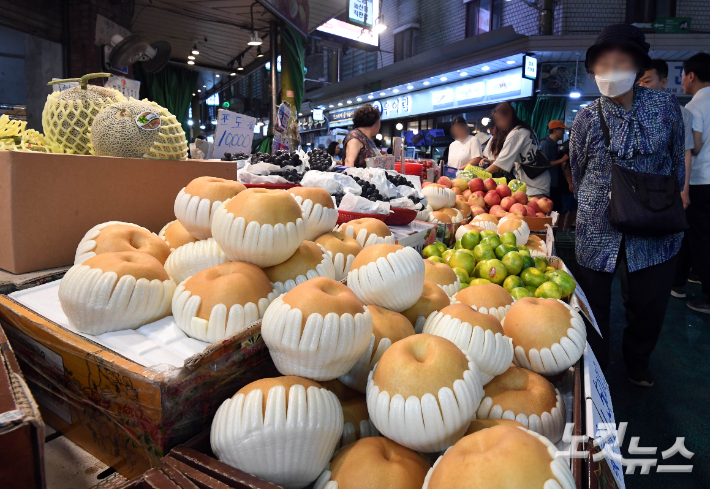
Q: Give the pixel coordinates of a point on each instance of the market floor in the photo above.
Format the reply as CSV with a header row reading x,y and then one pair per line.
x,y
677,406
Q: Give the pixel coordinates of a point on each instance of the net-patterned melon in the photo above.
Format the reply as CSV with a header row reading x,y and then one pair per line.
x,y
67,115
138,129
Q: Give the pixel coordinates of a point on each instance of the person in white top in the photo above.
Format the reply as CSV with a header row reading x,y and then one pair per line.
x,y
466,149
515,143
696,82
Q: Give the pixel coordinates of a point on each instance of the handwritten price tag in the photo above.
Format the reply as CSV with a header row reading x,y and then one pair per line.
x,y
234,133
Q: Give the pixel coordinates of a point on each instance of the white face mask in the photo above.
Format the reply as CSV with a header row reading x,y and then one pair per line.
x,y
615,83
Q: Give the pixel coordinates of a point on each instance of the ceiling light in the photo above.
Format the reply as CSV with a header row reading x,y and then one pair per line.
x,y
189,122
193,94
443,78
359,99
259,54
485,68
340,104
379,137
198,90
409,87
350,101
463,73
300,113
426,83
216,76
204,86
202,126
415,131
232,74
214,122
485,121
194,50
380,25
395,90
240,67
399,126
254,39
331,106
511,61
191,57
584,105
370,96
575,110
382,94
190,62
574,94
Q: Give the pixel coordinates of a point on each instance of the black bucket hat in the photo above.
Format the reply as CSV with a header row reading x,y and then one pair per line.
x,y
624,36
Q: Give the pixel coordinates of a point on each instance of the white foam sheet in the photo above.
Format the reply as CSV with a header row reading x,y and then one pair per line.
x,y
159,343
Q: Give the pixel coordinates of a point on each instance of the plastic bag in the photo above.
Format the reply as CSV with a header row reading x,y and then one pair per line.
x,y
261,168
353,203
332,182
246,177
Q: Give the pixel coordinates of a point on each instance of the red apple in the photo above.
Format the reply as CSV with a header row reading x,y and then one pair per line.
x,y
476,201
529,211
476,184
444,181
507,202
466,194
518,209
479,192
492,198
521,197
533,203
489,184
477,210
503,191
460,183
545,205
539,214
456,190
495,207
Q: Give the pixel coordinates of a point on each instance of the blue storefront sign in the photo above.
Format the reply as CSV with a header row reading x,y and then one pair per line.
x,y
342,116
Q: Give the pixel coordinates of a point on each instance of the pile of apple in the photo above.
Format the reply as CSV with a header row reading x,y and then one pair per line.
x,y
488,197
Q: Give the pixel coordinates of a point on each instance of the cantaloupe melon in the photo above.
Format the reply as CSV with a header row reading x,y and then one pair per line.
x,y
67,115
138,129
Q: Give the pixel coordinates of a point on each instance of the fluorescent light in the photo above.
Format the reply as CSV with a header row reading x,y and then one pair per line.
x,y
359,99
382,94
350,101
190,62
395,90
575,110
443,78
409,87
511,61
426,83
584,105
340,104
463,73
574,94
485,68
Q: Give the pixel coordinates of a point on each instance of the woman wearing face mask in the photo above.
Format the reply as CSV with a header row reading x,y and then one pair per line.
x,y
513,144
645,136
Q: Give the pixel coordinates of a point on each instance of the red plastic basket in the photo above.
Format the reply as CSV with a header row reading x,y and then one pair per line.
x,y
344,216
400,217
272,186
410,168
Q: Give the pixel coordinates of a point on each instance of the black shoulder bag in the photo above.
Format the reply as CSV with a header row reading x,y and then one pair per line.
x,y
643,204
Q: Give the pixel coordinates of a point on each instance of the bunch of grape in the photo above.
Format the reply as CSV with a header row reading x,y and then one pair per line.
x,y
284,158
261,158
398,180
235,157
319,159
369,191
338,197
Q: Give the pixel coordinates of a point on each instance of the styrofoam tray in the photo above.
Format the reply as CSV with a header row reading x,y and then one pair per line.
x,y
160,342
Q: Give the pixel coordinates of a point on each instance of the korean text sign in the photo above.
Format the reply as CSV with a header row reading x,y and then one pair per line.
x,y
234,133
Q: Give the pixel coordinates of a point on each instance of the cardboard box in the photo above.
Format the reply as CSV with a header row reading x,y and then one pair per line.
x,y
10,282
49,201
21,427
126,415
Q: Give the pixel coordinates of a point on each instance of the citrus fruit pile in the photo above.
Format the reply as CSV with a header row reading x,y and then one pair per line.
x,y
484,257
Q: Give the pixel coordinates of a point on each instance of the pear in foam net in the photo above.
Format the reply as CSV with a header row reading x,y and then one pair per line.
x,y
388,327
390,276
114,236
192,258
501,457
423,393
283,430
487,298
195,205
368,231
259,226
443,276
222,300
318,330
342,249
309,261
433,299
319,211
115,291
175,235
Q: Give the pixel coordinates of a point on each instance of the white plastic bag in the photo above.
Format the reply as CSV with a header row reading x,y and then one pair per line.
x,y
332,182
353,203
247,177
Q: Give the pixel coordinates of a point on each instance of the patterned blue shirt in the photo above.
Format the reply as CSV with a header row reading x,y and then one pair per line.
x,y
649,138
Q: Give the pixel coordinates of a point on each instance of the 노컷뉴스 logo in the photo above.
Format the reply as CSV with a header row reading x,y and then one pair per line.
x,y
150,121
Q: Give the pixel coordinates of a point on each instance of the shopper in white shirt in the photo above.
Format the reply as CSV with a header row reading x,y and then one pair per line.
x,y
513,144
466,149
696,82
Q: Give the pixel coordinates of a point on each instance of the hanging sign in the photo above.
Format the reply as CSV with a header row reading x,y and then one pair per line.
x,y
234,133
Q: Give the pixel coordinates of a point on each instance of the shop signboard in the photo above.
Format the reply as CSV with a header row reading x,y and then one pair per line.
x,y
293,12
672,25
363,12
342,116
234,133
483,90
675,75
529,67
318,115
339,28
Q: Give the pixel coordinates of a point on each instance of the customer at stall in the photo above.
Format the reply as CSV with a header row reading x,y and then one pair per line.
x,y
550,147
646,135
358,143
696,82
334,150
513,144
656,77
466,149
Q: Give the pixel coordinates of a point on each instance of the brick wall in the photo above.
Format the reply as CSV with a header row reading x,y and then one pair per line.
x,y
698,10
84,55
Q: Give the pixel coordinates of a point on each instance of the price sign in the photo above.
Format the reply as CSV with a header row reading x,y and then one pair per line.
x,y
234,133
